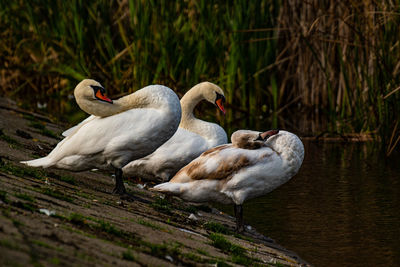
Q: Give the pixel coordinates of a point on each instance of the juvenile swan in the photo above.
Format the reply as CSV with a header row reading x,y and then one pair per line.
x,y
118,132
253,165
192,138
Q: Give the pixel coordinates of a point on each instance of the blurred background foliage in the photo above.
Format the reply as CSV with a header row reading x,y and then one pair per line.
x,y
310,66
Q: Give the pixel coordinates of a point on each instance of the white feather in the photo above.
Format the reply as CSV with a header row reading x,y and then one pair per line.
x,y
76,127
111,142
257,171
193,137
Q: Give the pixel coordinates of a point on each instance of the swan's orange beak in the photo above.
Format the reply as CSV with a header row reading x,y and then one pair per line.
x,y
220,104
103,97
267,134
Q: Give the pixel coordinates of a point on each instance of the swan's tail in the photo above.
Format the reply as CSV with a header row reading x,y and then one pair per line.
x,y
42,162
168,188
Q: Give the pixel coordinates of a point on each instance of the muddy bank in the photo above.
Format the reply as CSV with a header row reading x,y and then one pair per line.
x,y
53,217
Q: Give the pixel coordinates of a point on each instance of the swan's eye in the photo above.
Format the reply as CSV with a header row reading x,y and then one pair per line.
x,y
219,96
97,88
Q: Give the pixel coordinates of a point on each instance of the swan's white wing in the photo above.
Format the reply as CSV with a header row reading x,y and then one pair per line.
x,y
112,140
73,129
163,163
215,134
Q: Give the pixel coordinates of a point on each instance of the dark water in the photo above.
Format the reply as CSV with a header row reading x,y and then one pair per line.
x,y
341,209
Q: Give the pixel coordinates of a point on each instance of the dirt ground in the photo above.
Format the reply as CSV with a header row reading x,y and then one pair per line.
x,y
53,217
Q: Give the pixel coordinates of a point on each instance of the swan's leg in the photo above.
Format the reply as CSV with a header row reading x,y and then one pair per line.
x,y
120,189
119,183
239,218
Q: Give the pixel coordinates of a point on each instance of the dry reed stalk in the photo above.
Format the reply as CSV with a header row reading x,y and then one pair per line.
x,y
345,60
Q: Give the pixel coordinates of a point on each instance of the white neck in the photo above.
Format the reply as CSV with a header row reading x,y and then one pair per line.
x,y
148,97
189,122
188,102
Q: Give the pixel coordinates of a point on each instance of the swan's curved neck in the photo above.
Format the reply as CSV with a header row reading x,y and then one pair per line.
x,y
188,103
103,109
97,108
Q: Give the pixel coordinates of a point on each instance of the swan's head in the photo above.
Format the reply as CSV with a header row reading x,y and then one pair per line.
x,y
288,144
90,90
213,94
251,139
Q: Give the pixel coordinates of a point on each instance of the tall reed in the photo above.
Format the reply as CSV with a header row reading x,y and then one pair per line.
x,y
343,59
335,60
49,45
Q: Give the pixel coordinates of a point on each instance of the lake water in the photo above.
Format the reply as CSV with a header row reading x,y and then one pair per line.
x,y
341,209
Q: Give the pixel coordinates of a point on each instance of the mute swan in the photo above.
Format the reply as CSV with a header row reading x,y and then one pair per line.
x,y
253,165
135,126
192,138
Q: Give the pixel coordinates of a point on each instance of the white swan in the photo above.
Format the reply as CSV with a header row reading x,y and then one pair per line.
x,y
192,138
253,165
135,126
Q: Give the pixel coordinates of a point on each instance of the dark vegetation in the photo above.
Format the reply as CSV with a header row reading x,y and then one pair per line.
x,y
335,62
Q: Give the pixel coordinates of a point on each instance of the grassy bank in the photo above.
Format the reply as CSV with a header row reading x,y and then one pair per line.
x,y
59,218
334,61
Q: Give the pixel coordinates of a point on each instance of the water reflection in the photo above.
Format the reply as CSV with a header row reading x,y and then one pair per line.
x,y
342,209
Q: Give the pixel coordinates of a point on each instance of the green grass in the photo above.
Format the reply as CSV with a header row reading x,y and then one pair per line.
x,y
11,141
98,224
127,255
74,230
8,244
84,195
41,244
190,209
24,206
64,178
162,205
238,254
68,179
43,130
202,252
161,250
22,171
50,133
16,223
223,244
108,228
54,261
37,125
222,264
158,250
149,224
217,228
77,219
204,208
57,194
193,257
3,196
25,196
